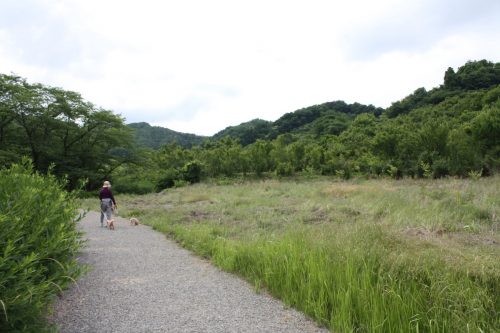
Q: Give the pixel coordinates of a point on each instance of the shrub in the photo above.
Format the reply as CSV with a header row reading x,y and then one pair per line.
x,y
168,179
192,172
284,169
38,243
425,169
128,185
181,183
392,171
440,168
475,175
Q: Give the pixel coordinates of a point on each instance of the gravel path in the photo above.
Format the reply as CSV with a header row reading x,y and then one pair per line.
x,y
142,282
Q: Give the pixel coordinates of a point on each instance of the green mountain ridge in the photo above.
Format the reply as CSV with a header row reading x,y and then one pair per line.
x,y
326,118
156,136
332,118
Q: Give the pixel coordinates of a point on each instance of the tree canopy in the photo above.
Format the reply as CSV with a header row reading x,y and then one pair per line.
x,y
155,136
57,127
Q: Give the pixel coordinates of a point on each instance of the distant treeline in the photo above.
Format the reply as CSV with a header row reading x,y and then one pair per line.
x,y
326,118
450,130
154,137
453,129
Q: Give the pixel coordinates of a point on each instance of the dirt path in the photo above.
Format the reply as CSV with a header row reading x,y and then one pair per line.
x,y
142,282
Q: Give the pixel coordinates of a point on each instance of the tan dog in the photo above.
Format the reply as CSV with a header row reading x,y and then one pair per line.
x,y
111,224
134,221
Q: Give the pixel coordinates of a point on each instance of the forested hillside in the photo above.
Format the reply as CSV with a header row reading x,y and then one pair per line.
x,y
474,75
331,117
453,129
248,132
155,136
323,119
316,120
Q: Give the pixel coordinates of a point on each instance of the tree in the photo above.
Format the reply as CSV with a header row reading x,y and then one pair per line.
x,y
248,132
478,75
259,156
451,80
54,126
462,152
486,129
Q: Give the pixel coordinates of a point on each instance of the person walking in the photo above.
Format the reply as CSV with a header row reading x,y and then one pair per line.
x,y
108,203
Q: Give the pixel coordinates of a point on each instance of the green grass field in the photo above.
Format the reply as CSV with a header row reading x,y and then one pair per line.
x,y
357,256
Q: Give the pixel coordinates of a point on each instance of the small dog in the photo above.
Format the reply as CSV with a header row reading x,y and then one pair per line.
x,y
134,221
111,224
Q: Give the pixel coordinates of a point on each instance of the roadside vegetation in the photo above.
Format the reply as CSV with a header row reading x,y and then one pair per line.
x,y
38,245
361,255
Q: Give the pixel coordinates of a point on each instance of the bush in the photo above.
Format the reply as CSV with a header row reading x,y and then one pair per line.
x,y
38,243
392,171
192,172
128,185
425,170
440,168
284,169
475,175
170,176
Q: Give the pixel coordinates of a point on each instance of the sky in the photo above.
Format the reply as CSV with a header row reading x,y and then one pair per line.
x,y
198,66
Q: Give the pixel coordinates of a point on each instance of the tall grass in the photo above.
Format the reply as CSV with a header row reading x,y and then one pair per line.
x,y
363,256
38,242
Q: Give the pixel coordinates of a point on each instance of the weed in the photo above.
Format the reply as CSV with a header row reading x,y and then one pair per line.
x,y
475,175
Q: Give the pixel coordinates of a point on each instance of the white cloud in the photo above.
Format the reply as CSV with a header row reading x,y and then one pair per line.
x,y
199,66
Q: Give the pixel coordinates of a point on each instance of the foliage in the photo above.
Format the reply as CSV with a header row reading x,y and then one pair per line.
x,y
133,185
54,126
474,75
284,169
326,118
138,176
221,158
38,244
191,172
249,132
454,137
154,137
475,175
168,179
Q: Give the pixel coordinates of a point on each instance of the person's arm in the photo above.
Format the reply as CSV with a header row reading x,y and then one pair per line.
x,y
112,198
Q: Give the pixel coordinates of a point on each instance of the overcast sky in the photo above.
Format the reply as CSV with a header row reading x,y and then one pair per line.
x,y
198,66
